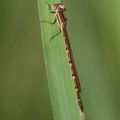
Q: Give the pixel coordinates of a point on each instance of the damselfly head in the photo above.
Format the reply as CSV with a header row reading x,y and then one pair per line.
x,y
61,6
57,7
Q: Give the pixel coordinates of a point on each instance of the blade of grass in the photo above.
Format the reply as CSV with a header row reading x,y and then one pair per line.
x,y
61,87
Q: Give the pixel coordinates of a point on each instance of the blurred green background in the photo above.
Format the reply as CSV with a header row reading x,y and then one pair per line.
x,y
24,91
94,35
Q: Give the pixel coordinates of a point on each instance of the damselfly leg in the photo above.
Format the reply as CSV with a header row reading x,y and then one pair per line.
x,y
56,33
49,22
57,30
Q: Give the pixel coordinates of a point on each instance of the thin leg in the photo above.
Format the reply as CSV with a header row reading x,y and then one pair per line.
x,y
48,5
56,33
45,21
53,21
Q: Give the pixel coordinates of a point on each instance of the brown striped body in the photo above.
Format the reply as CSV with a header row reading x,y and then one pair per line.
x,y
58,10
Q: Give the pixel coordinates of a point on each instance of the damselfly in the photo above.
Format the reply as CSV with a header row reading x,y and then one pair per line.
x,y
59,17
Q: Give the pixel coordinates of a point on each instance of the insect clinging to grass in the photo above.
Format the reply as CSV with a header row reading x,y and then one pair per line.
x,y
59,17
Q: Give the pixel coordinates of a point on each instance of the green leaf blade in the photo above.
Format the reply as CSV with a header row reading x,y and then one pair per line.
x,y
61,86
